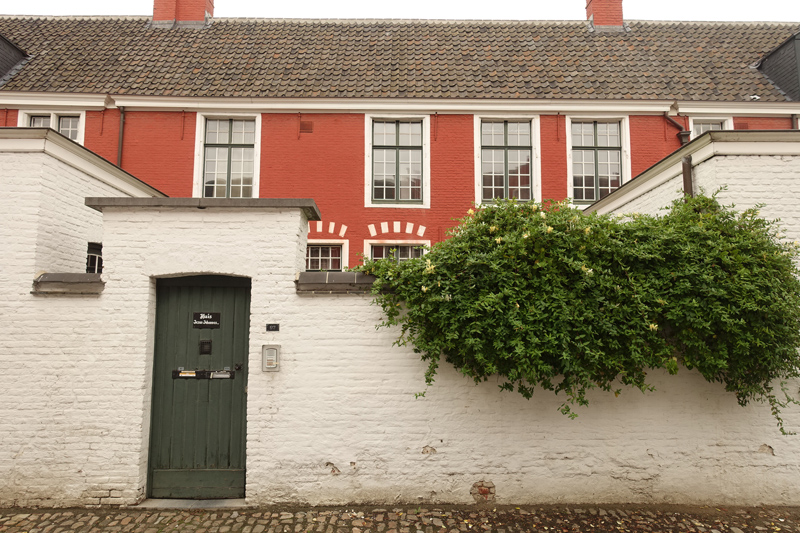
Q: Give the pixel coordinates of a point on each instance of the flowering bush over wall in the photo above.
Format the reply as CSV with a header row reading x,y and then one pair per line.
x,y
549,297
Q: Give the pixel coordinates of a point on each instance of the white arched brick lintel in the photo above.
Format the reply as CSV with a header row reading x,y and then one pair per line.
x,y
396,226
331,228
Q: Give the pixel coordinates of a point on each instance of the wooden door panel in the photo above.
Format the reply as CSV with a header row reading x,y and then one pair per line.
x,y
197,444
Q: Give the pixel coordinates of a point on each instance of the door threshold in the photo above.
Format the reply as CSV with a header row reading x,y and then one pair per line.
x,y
168,503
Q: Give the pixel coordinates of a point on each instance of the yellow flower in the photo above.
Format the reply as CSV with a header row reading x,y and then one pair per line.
x,y
517,305
492,229
470,212
430,268
535,207
498,240
587,231
543,214
653,327
424,288
525,236
549,229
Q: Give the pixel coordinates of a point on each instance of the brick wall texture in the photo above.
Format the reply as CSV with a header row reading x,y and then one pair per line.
x,y
327,164
339,423
66,437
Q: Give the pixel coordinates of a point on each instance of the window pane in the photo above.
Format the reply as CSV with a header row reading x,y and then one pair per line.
x,y
410,176
609,175
492,134
701,127
384,133
583,174
410,134
519,133
384,173
324,257
519,176
583,134
243,132
216,131
216,170
40,121
397,252
607,134
68,127
493,171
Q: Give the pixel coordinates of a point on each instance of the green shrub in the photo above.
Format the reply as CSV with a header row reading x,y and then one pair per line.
x,y
549,297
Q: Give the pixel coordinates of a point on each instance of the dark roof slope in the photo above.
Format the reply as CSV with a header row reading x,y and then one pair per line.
x,y
414,59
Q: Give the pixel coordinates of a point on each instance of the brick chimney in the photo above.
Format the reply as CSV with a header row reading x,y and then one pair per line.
x,y
604,13
182,12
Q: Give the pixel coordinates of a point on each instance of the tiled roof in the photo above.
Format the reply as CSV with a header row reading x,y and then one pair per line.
x,y
378,59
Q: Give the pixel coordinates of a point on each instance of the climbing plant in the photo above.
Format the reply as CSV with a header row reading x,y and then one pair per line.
x,y
547,297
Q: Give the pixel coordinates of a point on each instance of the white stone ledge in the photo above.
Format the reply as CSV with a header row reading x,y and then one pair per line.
x,y
68,283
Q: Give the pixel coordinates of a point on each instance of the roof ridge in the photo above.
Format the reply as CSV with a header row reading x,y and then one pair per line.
x,y
408,21
77,17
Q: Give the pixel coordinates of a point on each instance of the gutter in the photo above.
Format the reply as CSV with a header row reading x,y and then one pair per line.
x,y
121,135
683,135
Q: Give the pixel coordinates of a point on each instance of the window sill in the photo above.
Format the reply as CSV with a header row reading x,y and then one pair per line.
x,y
66,283
333,283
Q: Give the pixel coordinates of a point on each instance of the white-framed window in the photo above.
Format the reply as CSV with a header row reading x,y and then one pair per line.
x,y
397,169
227,156
700,125
507,163
397,249
598,157
326,255
68,123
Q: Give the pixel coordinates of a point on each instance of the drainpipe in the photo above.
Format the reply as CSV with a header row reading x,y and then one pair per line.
x,y
688,182
683,134
121,135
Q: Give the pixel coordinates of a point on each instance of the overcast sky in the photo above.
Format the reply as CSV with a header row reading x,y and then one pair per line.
x,y
746,10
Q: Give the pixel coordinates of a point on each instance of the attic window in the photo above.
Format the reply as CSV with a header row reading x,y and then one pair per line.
x,y
68,124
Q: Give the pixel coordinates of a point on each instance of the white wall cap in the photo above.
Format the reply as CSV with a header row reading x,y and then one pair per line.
x,y
708,145
52,143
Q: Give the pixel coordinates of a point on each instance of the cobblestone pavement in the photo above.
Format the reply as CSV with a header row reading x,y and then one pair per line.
x,y
428,519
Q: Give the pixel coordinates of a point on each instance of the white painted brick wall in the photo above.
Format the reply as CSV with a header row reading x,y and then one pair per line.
x,y
339,422
750,180
60,422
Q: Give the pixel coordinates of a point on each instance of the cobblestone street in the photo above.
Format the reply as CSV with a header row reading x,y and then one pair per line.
x,y
428,519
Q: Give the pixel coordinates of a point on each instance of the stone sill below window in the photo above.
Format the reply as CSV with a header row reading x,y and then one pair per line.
x,y
333,283
67,283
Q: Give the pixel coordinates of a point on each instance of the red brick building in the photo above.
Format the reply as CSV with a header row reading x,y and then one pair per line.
x,y
395,128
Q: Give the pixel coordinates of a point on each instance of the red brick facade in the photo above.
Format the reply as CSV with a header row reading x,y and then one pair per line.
x,y
328,164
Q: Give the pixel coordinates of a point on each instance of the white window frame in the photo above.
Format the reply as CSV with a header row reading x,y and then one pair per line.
x,y
199,148
24,119
426,161
344,243
536,160
727,122
368,243
625,147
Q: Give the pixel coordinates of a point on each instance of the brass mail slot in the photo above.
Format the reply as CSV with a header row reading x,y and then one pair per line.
x,y
203,374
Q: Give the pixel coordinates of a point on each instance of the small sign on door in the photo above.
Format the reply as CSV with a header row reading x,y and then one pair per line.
x,y
206,320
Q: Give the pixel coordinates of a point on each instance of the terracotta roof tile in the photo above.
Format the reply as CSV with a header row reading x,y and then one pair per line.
x,y
412,59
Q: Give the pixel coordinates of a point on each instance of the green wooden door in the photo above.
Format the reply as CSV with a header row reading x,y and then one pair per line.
x,y
197,437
